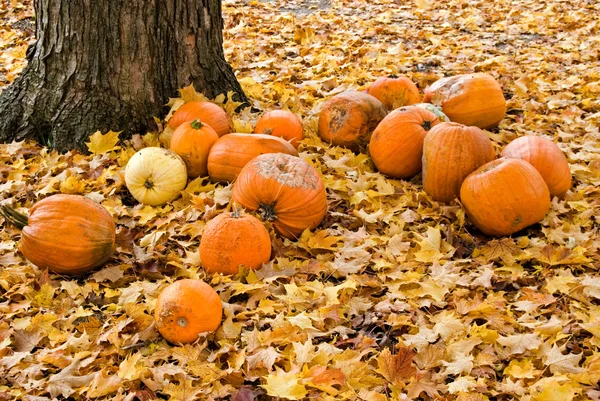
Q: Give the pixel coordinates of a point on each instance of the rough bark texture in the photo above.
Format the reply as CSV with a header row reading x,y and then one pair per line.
x,y
112,64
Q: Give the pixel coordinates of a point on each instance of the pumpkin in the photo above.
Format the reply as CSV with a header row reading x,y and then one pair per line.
x,y
207,112
235,239
230,153
394,92
155,176
435,110
281,123
192,141
546,157
66,234
505,196
283,189
348,119
186,308
470,99
396,145
451,152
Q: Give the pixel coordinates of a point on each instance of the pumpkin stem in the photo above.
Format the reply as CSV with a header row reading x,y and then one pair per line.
x,y
267,212
236,213
15,218
426,125
197,124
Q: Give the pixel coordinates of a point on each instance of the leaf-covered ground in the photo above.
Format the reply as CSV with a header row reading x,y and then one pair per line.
x,y
393,296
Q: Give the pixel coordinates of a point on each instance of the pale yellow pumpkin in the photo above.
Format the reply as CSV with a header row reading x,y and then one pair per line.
x,y
155,176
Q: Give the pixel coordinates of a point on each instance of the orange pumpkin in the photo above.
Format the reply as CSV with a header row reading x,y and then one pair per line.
x,y
67,234
231,240
232,152
193,141
395,92
470,99
281,123
546,157
187,308
396,145
207,112
504,196
284,189
451,152
348,119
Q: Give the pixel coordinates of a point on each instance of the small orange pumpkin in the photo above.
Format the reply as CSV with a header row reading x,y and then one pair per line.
x,y
235,239
505,196
394,92
348,119
451,152
193,141
284,189
207,112
396,145
470,99
281,123
546,157
232,152
67,234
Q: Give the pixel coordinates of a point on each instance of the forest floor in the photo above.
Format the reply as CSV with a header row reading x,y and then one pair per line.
x,y
393,296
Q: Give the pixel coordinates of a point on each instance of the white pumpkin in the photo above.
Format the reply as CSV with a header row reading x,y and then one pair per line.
x,y
155,176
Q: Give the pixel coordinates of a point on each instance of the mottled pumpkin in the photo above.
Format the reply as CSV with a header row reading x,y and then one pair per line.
x,y
281,123
435,110
546,157
207,112
192,142
396,146
348,119
394,92
505,196
232,152
235,239
470,99
66,234
283,189
451,152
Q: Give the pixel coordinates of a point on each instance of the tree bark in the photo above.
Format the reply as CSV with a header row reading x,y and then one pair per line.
x,y
112,65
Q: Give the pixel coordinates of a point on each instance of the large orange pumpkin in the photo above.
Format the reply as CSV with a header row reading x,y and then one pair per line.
x,y
207,112
395,92
187,308
505,196
470,99
452,151
192,141
546,157
67,234
348,119
235,239
284,189
230,153
281,123
396,145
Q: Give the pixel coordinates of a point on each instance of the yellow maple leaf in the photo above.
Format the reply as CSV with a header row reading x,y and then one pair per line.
x,y
284,385
523,369
432,246
189,94
72,185
100,144
554,391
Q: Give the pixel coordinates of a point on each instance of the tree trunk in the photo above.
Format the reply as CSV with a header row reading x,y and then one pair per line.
x,y
112,65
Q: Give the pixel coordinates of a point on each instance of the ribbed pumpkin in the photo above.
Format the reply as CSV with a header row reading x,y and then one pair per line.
x,y
394,92
451,152
435,110
470,99
232,152
235,239
281,123
207,112
396,145
348,119
67,234
155,176
546,157
505,196
192,141
284,189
